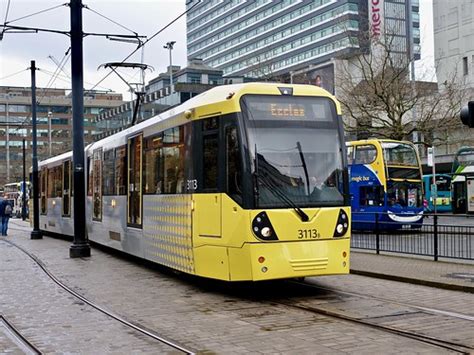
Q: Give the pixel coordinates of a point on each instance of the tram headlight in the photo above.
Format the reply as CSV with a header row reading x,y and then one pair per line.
x,y
342,224
262,227
266,232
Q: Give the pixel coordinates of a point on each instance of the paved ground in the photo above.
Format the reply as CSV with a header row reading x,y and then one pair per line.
x,y
443,274
207,316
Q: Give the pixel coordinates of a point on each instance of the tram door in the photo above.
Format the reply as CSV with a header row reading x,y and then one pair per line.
x,y
67,188
97,185
134,194
44,185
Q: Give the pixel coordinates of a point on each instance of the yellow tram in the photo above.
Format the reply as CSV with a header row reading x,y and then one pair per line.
x,y
242,182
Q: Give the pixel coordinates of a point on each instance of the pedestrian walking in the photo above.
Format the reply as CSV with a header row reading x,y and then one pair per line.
x,y
5,214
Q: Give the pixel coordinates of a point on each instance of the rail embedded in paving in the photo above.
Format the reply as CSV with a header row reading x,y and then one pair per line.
x,y
440,236
113,315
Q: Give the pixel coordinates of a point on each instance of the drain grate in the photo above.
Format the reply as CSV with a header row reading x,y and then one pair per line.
x,y
12,341
460,275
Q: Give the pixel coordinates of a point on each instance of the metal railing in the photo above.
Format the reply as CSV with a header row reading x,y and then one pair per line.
x,y
440,235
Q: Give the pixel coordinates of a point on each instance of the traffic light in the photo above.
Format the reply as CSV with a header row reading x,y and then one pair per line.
x,y
467,114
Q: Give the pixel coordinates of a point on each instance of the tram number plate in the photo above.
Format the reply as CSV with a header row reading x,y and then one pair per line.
x,y
308,234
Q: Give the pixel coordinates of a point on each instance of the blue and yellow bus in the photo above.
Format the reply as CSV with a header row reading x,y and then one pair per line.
x,y
443,195
385,184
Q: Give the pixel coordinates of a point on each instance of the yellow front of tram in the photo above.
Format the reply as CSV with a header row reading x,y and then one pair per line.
x,y
281,209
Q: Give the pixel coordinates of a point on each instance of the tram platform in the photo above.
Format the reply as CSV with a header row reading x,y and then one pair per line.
x,y
447,274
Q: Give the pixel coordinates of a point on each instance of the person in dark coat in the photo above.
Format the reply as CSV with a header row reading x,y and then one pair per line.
x,y
5,214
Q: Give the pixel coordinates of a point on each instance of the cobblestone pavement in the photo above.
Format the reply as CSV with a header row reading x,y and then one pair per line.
x,y
204,315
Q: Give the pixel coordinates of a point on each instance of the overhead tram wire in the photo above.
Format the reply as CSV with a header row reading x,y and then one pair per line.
x,y
48,86
6,17
109,19
36,13
10,75
68,79
148,40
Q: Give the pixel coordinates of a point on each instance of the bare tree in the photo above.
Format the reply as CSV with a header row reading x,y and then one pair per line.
x,y
379,99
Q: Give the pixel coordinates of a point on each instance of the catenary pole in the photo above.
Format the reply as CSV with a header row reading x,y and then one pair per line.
x,y
23,196
36,233
80,246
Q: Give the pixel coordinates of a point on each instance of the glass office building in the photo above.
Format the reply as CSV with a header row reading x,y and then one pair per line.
x,y
263,37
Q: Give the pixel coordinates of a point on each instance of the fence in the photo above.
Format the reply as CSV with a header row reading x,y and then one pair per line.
x,y
440,235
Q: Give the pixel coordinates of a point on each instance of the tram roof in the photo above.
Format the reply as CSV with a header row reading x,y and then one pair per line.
x,y
377,140
57,158
219,100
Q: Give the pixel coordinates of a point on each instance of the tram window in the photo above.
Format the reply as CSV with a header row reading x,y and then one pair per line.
x,y
365,154
108,173
210,161
371,196
89,177
234,168
121,170
55,177
153,165
173,160
211,124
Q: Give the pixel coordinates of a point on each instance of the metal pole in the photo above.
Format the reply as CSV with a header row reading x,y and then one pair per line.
x,y
171,70
36,233
169,46
80,246
23,200
435,237
8,141
435,187
50,114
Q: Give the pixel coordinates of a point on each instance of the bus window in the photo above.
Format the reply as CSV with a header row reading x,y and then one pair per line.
x,y
350,155
371,196
404,194
365,154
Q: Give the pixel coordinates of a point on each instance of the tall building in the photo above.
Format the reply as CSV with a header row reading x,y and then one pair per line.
x,y
272,38
453,25
54,124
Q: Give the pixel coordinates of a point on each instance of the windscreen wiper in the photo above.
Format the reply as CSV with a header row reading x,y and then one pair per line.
x,y
276,190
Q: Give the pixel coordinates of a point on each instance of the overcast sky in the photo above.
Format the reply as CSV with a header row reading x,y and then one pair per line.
x,y
145,17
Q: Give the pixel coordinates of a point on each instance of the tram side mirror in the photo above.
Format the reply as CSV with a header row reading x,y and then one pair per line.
x,y
467,114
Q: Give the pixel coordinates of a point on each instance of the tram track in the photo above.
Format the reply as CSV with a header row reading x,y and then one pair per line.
x,y
440,343
20,340
135,326
404,304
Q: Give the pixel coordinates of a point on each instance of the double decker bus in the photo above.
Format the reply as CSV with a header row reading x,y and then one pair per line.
x,y
462,194
385,182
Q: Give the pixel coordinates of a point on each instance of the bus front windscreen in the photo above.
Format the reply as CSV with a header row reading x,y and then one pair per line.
x,y
397,153
295,150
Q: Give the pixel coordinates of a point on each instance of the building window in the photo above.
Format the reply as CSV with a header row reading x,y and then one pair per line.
x,y
465,68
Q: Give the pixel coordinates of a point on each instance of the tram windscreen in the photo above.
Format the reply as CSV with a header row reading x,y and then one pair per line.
x,y
403,154
295,149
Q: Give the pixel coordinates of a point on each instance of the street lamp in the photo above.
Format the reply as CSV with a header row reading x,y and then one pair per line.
x,y
169,46
50,115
